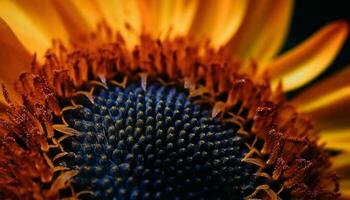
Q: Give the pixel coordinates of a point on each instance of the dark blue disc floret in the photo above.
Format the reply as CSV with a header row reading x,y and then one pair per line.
x,y
154,144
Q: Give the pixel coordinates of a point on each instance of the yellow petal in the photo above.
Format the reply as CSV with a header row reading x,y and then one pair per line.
x,y
335,97
90,11
75,24
150,12
183,13
338,139
14,57
341,161
160,17
119,13
263,30
332,110
218,21
43,15
27,31
334,122
325,92
328,102
345,189
341,165
305,62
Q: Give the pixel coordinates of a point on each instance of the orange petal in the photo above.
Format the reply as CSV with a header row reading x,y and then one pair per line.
x,y
337,138
76,25
345,189
218,21
341,164
341,161
123,12
149,15
334,122
120,13
183,13
328,102
27,31
43,15
307,100
332,114
305,62
263,30
90,11
14,58
160,17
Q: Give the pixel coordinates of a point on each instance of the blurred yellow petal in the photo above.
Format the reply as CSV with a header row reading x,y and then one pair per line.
x,y
27,31
331,111
218,21
160,17
338,139
345,189
89,10
334,123
341,161
118,13
150,12
330,98
328,102
328,89
76,25
341,164
14,57
43,15
263,30
305,62
183,13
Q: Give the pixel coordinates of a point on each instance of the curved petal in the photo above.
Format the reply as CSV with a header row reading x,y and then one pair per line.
x,y
345,189
328,102
334,123
76,25
218,21
263,30
337,139
183,13
321,105
27,31
308,100
43,14
14,57
341,161
90,11
303,63
149,15
341,164
119,14
167,18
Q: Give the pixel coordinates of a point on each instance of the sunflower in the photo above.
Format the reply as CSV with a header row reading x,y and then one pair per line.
x,y
168,100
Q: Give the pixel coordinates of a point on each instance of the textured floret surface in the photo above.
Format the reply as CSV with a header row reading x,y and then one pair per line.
x,y
154,144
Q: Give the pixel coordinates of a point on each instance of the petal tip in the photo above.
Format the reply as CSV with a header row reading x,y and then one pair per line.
x,y
343,26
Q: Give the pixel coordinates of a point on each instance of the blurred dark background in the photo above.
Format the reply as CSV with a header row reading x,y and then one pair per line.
x,y
308,17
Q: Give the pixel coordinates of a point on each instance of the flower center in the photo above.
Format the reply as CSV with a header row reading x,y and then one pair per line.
x,y
154,144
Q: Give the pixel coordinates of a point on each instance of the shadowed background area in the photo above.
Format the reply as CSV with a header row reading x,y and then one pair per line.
x,y
308,17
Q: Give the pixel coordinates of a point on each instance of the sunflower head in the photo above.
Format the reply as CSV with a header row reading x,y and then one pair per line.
x,y
129,114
